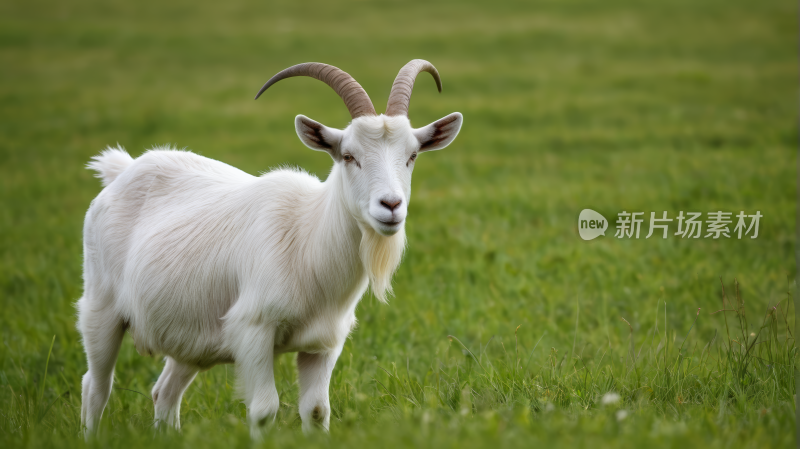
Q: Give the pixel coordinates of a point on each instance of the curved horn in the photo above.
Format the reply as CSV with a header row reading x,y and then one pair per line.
x,y
400,97
354,96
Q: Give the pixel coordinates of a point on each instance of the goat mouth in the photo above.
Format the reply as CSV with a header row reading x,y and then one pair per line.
x,y
387,228
389,223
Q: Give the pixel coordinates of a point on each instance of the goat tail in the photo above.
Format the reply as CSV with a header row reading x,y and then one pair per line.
x,y
110,163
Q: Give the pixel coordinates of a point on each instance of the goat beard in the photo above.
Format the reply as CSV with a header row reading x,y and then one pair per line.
x,y
381,256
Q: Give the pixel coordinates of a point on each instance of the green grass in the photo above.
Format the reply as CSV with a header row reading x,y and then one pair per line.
x,y
613,105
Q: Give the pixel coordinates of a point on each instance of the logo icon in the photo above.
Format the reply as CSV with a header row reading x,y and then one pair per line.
x,y
591,224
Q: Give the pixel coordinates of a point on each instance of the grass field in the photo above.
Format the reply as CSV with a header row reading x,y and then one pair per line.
x,y
613,105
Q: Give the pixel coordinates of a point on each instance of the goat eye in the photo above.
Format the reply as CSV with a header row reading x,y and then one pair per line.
x,y
347,158
413,156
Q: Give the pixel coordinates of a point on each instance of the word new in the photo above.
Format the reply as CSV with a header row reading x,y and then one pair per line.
x,y
591,224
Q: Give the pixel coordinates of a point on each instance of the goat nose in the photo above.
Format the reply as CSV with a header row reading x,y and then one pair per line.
x,y
391,203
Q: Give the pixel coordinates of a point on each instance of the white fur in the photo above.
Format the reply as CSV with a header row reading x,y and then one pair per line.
x,y
109,164
206,264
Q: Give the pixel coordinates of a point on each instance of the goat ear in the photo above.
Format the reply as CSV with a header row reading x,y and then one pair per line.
x,y
318,136
440,133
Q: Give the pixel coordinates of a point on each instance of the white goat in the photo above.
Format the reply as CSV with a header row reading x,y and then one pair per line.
x,y
206,264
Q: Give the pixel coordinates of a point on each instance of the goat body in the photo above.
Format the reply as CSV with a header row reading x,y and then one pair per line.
x,y
192,256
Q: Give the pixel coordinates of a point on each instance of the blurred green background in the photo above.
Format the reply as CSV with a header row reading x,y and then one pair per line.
x,y
569,104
